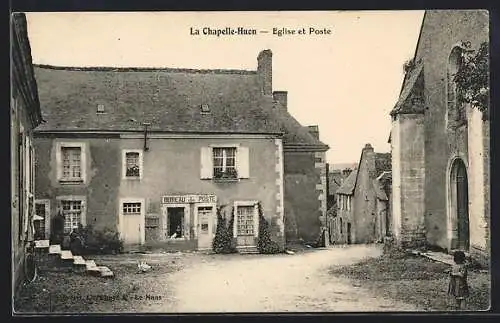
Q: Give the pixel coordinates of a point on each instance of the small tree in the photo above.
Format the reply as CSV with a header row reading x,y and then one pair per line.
x,y
264,243
472,77
223,241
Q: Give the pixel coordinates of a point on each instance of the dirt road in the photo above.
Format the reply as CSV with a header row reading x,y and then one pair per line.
x,y
274,283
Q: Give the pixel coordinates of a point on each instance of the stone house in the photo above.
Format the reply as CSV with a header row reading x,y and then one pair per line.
x,y
25,115
363,212
336,178
440,146
152,153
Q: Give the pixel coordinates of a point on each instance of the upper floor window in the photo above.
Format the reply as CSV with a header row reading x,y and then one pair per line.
x,y
229,162
225,162
132,164
71,162
456,109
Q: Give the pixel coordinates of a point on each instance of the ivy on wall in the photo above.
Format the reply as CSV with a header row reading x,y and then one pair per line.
x,y
472,77
265,244
223,240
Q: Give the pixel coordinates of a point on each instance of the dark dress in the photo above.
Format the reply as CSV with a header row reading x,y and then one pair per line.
x,y
458,286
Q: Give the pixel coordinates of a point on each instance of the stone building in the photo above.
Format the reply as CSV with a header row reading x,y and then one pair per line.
x,y
363,210
25,115
152,153
440,147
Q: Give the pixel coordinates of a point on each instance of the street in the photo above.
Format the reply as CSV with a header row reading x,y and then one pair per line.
x,y
277,283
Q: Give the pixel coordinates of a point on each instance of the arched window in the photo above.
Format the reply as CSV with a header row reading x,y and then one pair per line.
x,y
456,109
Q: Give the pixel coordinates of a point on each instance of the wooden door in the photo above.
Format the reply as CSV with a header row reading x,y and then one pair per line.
x,y
462,207
205,226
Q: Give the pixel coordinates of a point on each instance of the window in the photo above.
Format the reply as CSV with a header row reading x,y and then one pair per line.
x,y
132,164
456,110
72,211
72,168
71,162
245,220
131,208
224,161
132,160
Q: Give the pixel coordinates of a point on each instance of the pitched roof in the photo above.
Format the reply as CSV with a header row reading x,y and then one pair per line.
x,y
347,187
23,77
334,182
380,185
169,99
382,162
408,85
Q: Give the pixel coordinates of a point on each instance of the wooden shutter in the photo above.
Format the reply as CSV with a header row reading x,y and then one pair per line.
x,y
256,220
206,163
243,162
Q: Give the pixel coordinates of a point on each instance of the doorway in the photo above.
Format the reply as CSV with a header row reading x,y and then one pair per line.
x,y
348,232
175,216
206,226
460,204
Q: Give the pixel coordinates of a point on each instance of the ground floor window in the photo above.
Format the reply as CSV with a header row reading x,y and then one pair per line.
x,y
175,222
245,220
72,211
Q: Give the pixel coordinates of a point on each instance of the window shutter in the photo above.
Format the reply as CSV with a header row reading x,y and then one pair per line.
x,y
206,163
242,162
256,220
235,221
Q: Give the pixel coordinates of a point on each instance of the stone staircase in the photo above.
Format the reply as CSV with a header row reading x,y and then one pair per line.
x,y
48,255
247,250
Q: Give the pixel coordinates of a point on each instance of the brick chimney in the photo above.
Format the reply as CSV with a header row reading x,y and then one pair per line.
x,y
281,99
368,147
314,131
265,71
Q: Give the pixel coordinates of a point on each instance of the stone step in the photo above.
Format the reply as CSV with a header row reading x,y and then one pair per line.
x,y
55,249
90,264
66,255
42,244
248,250
79,261
105,271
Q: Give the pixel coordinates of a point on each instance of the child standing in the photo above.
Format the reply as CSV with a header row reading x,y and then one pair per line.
x,y
458,287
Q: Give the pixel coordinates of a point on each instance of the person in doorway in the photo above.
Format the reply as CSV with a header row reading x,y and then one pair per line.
x,y
57,230
458,287
178,232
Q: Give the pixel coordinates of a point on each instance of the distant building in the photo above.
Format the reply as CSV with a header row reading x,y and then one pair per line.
x,y
440,147
24,116
336,178
363,212
152,153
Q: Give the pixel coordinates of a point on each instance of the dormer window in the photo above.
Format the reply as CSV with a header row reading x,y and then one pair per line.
x,y
205,109
100,108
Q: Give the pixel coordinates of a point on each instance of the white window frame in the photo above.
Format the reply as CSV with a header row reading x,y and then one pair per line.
x,y
227,146
124,164
83,209
253,203
142,215
83,162
45,202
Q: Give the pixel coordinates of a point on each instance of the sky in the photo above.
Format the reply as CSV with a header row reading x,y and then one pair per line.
x,y
345,81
